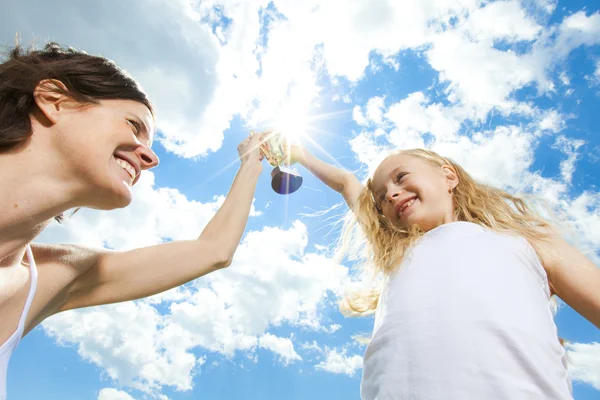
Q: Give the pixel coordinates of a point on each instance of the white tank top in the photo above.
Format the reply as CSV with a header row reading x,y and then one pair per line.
x,y
10,345
466,316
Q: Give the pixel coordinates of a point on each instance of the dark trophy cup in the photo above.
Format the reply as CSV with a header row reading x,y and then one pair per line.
x,y
284,180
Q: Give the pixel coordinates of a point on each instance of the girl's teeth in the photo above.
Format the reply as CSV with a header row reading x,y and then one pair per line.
x,y
407,205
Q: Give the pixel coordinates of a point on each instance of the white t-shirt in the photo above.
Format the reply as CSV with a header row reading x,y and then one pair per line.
x,y
466,316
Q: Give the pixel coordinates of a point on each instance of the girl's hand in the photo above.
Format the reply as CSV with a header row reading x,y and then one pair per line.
x,y
294,154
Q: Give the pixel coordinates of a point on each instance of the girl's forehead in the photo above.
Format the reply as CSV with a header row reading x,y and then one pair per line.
x,y
389,165
393,162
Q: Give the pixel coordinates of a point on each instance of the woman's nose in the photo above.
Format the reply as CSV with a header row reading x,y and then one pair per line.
x,y
148,158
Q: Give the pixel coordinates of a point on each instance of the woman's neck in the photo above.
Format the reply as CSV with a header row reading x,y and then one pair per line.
x,y
33,193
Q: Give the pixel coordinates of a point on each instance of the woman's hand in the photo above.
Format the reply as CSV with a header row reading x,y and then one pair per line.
x,y
249,150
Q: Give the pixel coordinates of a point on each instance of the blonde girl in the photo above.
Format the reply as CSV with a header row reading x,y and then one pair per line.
x,y
468,271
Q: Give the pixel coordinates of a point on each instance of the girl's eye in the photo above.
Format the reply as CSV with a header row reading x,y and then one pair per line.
x,y
400,176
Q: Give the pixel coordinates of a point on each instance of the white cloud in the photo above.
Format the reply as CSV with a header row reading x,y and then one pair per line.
x,y
594,78
584,363
274,268
414,116
338,362
547,6
502,20
482,77
569,147
312,346
552,121
578,29
127,340
374,109
564,78
113,394
478,75
281,346
358,116
584,214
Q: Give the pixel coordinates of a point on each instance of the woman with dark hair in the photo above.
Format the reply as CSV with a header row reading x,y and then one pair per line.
x,y
76,131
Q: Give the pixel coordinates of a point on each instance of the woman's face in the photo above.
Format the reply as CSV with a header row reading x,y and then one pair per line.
x,y
105,147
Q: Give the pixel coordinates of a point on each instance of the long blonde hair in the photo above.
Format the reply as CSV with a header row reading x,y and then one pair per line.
x,y
383,246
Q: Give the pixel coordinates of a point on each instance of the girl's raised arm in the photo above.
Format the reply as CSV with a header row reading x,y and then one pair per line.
x,y
340,180
573,277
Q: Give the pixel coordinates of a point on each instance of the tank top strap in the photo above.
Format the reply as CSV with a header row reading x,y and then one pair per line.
x,y
32,288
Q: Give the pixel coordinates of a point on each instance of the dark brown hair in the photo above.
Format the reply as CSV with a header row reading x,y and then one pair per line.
x,y
88,79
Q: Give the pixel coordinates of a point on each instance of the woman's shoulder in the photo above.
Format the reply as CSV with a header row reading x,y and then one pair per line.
x,y
69,255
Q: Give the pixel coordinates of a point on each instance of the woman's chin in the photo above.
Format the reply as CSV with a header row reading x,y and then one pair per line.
x,y
119,196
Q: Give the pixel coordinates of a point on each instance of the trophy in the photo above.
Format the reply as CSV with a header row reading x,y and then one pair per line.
x,y
284,180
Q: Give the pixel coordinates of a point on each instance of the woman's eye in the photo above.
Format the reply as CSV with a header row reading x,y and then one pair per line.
x,y
135,125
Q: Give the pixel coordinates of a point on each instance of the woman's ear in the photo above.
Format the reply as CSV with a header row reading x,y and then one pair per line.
x,y
451,177
50,97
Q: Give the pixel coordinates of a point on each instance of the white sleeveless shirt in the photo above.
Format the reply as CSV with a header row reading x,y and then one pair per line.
x,y
10,345
466,316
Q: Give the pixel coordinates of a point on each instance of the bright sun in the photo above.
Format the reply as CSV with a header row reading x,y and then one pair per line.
x,y
292,123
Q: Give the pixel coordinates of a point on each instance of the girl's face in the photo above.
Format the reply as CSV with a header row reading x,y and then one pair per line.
x,y
104,148
410,191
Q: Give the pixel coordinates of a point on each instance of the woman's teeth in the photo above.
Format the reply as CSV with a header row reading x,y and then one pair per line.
x,y
127,167
410,203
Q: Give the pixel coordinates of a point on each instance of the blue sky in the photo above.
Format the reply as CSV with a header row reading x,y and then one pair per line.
x,y
508,89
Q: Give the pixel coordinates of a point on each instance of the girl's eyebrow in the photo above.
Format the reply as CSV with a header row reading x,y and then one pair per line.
x,y
391,174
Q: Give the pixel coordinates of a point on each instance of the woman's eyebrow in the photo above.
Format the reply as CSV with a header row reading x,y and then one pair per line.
x,y
143,126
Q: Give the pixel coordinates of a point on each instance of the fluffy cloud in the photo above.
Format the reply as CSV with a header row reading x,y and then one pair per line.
x,y
584,363
338,362
113,394
594,78
569,147
281,346
127,341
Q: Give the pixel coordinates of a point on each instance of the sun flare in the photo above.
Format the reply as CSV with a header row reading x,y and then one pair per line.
x,y
293,124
